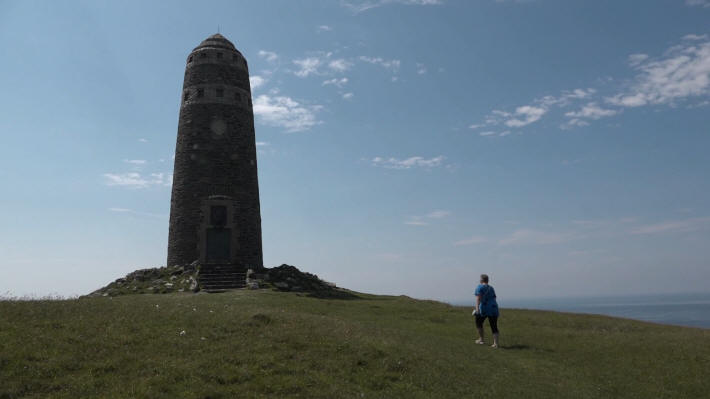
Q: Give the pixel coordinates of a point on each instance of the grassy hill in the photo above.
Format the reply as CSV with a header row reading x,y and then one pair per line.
x,y
275,344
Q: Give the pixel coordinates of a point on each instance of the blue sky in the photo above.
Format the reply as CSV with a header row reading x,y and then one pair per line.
x,y
404,146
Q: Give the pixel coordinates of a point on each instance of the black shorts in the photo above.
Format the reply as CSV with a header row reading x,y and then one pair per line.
x,y
492,320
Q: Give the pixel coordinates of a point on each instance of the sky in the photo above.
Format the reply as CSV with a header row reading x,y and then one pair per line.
x,y
404,146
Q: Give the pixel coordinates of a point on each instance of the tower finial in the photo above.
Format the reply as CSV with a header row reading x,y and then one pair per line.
x,y
217,28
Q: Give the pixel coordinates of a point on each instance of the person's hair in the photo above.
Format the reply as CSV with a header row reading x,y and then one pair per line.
x,y
484,278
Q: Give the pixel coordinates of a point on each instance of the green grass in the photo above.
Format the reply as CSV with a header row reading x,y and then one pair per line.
x,y
271,344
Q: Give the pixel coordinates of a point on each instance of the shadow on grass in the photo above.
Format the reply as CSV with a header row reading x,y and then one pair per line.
x,y
516,347
524,347
334,294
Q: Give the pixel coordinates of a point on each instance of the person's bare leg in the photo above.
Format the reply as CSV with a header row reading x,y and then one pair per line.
x,y
480,335
495,340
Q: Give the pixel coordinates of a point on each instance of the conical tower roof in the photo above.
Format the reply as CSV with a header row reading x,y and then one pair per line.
x,y
217,41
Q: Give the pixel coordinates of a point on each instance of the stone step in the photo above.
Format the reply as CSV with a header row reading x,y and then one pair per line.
x,y
220,277
221,282
228,275
222,287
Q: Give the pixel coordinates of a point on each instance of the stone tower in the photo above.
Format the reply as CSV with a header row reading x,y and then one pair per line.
x,y
214,209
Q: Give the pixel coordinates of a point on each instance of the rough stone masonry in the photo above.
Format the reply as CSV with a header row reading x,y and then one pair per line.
x,y
214,208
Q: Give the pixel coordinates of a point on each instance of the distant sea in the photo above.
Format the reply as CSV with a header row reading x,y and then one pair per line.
x,y
692,310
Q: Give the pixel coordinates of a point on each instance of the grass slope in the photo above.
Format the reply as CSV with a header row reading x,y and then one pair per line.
x,y
272,344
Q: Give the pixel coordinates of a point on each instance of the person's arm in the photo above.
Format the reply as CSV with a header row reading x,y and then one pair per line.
x,y
478,303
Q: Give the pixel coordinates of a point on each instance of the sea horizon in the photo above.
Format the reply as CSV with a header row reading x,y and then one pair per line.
x,y
678,309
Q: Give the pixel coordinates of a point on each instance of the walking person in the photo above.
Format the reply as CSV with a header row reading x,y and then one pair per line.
x,y
486,308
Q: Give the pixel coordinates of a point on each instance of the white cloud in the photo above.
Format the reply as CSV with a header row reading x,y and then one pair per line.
x,y
282,111
592,111
674,226
636,59
136,180
135,161
269,56
574,122
421,69
307,66
534,237
682,72
422,220
142,140
364,5
695,37
701,3
438,214
528,114
256,81
323,28
488,133
411,162
566,98
262,143
336,82
348,96
339,65
471,241
416,223
387,64
312,64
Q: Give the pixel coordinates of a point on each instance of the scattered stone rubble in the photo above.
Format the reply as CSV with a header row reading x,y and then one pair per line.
x,y
169,279
160,280
289,278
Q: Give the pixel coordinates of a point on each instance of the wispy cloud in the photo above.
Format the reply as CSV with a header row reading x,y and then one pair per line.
x,y
421,69
471,241
323,28
307,66
636,59
535,237
348,96
528,114
339,65
283,111
438,214
320,63
525,115
364,5
700,3
269,56
695,37
674,226
392,64
142,140
425,219
408,163
135,161
589,111
256,81
682,72
336,82
137,180
415,222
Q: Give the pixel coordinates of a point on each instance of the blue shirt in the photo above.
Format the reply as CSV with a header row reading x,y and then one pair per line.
x,y
488,305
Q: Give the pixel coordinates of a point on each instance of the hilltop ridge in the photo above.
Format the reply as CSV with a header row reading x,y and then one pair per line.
x,y
266,343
